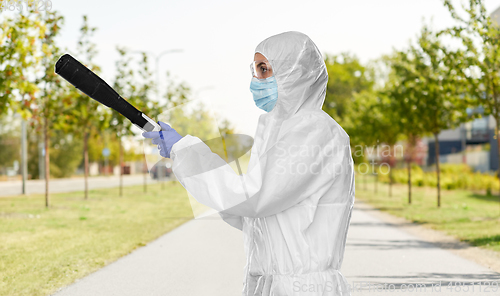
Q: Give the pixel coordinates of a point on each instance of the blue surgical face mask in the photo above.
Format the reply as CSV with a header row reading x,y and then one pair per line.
x,y
265,92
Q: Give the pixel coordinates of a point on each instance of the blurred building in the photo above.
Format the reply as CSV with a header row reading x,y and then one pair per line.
x,y
473,143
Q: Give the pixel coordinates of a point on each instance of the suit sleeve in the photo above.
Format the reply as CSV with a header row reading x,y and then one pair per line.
x,y
302,163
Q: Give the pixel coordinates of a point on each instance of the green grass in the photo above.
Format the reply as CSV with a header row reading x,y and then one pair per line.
x,y
468,216
42,249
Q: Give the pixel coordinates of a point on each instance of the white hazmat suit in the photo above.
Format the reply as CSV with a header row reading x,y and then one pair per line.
x,y
295,201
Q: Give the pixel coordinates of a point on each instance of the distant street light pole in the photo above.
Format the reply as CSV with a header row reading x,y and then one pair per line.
x,y
157,68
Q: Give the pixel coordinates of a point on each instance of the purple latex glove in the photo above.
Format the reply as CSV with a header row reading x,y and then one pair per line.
x,y
165,139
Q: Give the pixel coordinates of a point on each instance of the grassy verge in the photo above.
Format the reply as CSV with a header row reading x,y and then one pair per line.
x,y
44,249
468,216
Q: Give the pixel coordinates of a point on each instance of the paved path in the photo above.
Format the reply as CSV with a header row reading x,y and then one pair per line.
x,y
205,257
382,250
11,188
201,257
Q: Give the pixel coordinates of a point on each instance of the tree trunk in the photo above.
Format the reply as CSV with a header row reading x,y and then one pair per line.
x,y
409,181
161,174
86,163
390,170
437,171
47,160
498,151
412,140
365,181
121,166
390,181
145,172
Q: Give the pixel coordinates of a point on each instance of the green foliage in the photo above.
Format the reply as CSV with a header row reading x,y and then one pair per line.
x,y
480,38
48,103
363,126
58,111
82,113
144,91
109,140
479,35
425,84
353,101
65,154
453,176
33,157
449,168
176,93
426,92
10,148
198,122
125,86
10,142
20,53
346,77
28,50
85,114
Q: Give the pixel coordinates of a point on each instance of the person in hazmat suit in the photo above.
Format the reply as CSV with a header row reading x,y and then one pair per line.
x,y
295,201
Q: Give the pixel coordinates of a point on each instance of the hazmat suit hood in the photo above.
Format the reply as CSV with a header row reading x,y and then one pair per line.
x,y
300,73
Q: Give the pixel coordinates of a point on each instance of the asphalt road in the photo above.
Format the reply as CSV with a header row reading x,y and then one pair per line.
x,y
11,188
205,257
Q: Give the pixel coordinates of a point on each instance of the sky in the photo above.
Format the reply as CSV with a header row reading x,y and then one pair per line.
x,y
218,38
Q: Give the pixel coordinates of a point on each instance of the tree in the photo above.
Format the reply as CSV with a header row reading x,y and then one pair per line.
x,y
480,64
346,77
143,101
48,102
378,122
345,80
440,92
136,87
352,100
118,124
17,59
404,98
363,127
30,52
86,114
125,86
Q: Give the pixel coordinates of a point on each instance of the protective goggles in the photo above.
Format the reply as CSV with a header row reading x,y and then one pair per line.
x,y
261,69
